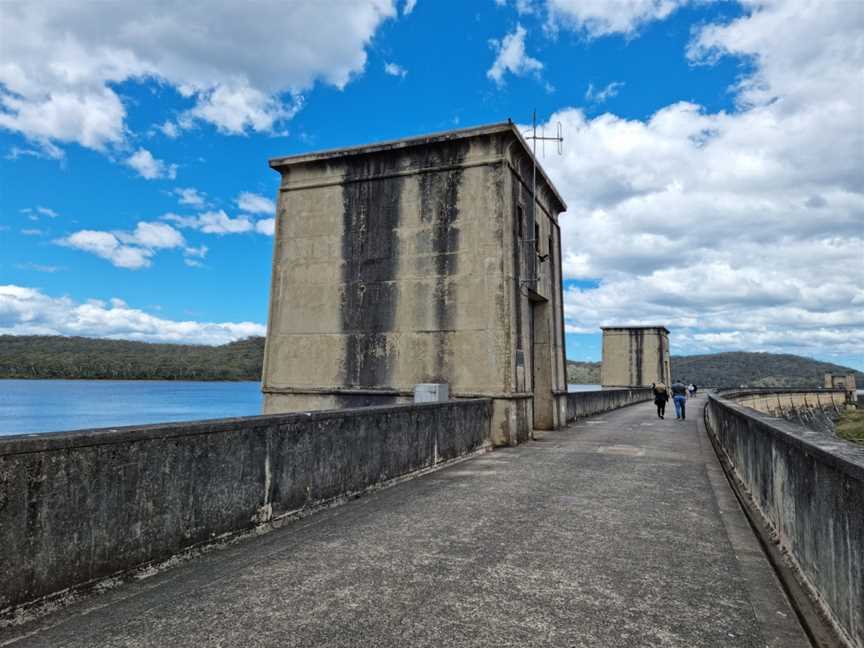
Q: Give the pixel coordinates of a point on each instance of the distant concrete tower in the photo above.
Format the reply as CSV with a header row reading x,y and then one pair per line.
x,y
422,260
635,356
842,381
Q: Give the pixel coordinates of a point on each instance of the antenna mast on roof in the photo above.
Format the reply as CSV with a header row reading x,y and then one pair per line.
x,y
534,137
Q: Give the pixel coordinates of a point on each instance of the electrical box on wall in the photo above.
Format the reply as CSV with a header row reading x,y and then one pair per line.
x,y
431,393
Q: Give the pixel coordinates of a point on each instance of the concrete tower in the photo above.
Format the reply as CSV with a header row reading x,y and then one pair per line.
x,y
415,261
635,356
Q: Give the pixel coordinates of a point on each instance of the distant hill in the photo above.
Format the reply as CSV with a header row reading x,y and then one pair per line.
x,y
756,370
583,373
734,369
41,356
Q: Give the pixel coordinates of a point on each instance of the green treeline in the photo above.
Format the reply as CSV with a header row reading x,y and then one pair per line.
x,y
583,373
734,369
38,356
42,356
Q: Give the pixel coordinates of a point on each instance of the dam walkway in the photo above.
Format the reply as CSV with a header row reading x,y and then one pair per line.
x,y
619,530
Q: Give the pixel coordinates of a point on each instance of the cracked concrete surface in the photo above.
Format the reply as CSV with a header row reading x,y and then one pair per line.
x,y
616,531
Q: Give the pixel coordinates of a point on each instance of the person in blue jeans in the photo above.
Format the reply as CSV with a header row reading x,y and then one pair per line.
x,y
679,397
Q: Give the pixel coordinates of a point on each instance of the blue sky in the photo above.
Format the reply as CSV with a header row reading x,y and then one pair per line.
x,y
712,163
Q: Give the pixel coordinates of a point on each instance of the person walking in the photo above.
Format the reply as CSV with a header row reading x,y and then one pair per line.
x,y
679,397
661,395
691,390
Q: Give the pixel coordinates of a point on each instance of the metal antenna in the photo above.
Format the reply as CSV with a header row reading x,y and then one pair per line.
x,y
534,137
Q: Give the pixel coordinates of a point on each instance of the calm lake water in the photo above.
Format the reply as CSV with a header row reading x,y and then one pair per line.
x,y
28,406
54,405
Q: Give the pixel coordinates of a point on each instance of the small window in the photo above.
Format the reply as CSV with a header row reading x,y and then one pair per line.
x,y
537,237
519,221
549,251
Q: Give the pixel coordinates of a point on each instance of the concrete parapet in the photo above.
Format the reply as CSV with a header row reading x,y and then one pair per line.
x,y
76,507
809,487
582,404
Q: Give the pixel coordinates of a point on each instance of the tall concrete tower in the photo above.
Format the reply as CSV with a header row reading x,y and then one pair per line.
x,y
414,261
635,356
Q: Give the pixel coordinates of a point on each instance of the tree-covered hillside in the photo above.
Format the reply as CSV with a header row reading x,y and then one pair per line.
x,y
734,369
583,373
738,368
37,356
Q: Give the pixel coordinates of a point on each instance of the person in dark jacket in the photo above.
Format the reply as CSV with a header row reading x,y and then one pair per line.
x,y
661,395
679,397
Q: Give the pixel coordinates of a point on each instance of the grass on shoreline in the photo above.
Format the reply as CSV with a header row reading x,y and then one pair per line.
x,y
850,425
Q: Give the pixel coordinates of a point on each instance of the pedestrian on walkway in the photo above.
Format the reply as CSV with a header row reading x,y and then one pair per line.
x,y
661,395
679,397
691,390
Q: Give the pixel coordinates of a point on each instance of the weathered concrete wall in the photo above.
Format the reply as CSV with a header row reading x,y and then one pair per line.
x,y
777,403
404,263
810,488
635,356
845,382
582,404
79,506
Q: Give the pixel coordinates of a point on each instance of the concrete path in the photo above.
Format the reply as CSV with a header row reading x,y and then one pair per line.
x,y
618,531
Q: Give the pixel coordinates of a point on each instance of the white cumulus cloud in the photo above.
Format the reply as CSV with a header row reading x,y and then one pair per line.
x,y
220,223
29,311
252,203
190,196
153,236
108,246
738,229
265,226
131,250
394,69
149,167
598,18
512,57
213,222
61,59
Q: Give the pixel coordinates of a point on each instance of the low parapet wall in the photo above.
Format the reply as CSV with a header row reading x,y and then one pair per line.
x,y
76,507
809,487
588,403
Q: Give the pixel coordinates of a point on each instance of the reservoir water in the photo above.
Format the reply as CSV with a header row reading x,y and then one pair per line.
x,y
54,405
32,406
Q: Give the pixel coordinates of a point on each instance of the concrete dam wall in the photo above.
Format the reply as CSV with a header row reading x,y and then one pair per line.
x,y
809,487
76,507
780,403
